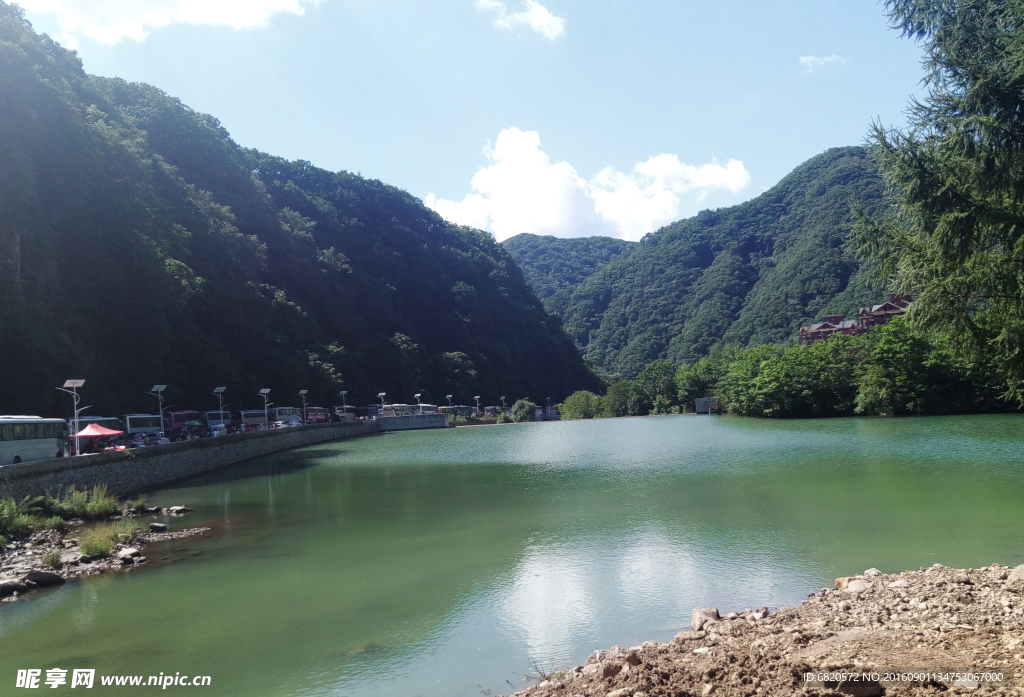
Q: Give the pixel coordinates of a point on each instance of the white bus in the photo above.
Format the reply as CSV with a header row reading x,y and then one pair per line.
x,y
141,423
111,422
217,418
28,438
286,414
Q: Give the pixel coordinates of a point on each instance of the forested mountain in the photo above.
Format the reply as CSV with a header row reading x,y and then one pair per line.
x,y
554,266
750,274
139,245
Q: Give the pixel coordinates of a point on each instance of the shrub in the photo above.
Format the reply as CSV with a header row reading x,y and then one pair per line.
x,y
524,410
52,559
101,504
95,544
504,418
580,405
52,523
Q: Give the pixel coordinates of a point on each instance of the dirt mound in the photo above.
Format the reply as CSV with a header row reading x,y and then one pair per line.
x,y
937,630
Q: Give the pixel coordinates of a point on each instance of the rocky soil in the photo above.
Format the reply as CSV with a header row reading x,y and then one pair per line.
x,y
21,561
940,619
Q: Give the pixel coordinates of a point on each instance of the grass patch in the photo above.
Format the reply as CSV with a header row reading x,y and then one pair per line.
x,y
52,559
95,544
100,541
19,519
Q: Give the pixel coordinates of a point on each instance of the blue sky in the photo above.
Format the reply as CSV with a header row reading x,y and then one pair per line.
x,y
564,117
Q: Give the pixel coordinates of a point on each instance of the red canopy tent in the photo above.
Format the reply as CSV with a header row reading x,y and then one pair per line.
x,y
94,431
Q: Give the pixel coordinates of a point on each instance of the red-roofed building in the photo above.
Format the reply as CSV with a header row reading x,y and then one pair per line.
x,y
868,317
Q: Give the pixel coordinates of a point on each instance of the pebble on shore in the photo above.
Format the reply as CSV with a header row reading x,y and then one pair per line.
x,y
936,618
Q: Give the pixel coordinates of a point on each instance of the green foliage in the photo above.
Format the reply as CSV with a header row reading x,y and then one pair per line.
x,y
554,266
504,418
749,274
15,518
138,241
891,371
581,404
523,411
51,559
701,378
618,399
83,504
100,540
956,234
95,543
654,390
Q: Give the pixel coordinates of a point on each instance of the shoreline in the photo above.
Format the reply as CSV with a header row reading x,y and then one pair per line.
x,y
22,569
937,630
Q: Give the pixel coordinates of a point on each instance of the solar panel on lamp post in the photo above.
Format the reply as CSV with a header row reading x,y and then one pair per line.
x,y
219,391
74,385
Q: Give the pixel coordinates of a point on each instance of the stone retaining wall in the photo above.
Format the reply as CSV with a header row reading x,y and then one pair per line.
x,y
139,469
412,422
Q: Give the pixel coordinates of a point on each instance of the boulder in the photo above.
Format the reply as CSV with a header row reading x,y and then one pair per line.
x,y
702,616
126,554
962,578
157,527
856,586
1016,575
872,573
610,669
179,510
621,692
8,586
42,579
632,658
901,583
155,510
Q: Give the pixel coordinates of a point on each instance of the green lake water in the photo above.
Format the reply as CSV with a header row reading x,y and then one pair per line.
x,y
441,563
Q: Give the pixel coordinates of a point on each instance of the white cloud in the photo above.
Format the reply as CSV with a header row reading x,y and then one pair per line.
x,y
533,15
110,21
521,190
813,64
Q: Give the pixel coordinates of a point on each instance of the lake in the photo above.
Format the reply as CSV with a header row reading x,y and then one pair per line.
x,y
451,563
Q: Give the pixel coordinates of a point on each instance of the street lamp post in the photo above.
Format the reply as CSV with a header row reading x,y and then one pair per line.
x,y
477,398
219,391
380,396
449,398
344,403
158,392
74,385
265,393
503,404
302,393
419,409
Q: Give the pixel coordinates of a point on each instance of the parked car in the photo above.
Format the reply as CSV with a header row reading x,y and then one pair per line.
x,y
142,440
